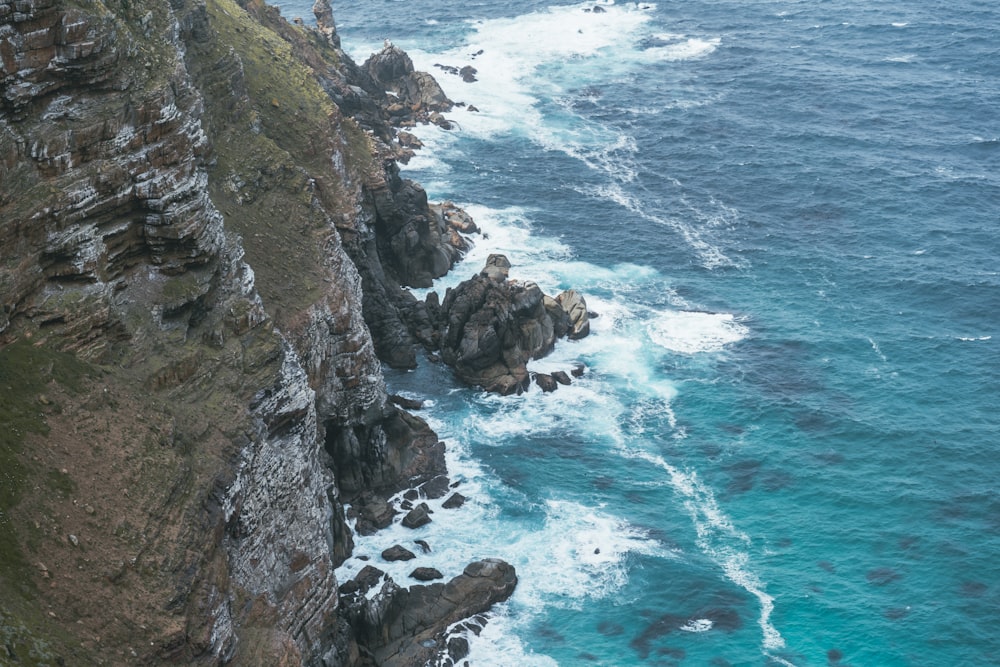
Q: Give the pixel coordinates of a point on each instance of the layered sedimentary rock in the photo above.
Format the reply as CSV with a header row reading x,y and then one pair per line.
x,y
196,244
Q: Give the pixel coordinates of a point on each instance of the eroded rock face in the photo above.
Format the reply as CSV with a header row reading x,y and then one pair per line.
x,y
131,153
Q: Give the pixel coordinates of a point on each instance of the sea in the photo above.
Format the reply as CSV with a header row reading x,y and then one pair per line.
x,y
785,217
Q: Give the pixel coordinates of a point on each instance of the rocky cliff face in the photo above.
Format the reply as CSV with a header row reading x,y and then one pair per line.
x,y
201,254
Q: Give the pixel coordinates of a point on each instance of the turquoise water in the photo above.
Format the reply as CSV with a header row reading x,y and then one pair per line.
x,y
786,216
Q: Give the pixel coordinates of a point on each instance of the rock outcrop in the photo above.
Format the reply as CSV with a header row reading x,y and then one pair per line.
x,y
417,93
402,626
490,327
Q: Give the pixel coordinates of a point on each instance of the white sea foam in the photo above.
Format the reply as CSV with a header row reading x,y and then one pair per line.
x,y
691,332
975,338
697,625
687,49
721,541
578,47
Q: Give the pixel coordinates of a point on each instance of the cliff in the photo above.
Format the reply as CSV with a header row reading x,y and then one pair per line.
x,y
203,239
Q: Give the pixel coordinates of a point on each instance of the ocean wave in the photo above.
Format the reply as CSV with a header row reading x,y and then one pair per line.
x,y
693,332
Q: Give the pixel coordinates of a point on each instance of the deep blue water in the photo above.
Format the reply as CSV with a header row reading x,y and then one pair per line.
x,y
786,215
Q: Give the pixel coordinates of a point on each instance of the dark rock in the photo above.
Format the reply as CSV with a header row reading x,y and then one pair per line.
x,y
561,377
546,382
406,403
397,553
454,501
435,488
578,370
599,10
368,577
423,545
411,494
458,648
426,574
419,614
418,516
373,513
497,268
489,327
468,74
575,306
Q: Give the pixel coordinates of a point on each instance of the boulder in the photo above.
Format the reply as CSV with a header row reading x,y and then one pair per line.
x,y
373,513
497,268
561,377
418,516
435,488
369,577
397,553
406,403
426,574
454,501
576,308
545,382
458,648
468,74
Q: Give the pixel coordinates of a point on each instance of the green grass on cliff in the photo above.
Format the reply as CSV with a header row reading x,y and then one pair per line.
x,y
274,148
27,372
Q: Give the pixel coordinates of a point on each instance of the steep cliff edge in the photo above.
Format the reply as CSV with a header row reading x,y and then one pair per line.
x,y
181,426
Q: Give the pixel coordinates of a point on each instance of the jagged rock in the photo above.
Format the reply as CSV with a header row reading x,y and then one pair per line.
x,y
578,370
369,577
489,327
454,501
373,513
324,21
561,377
435,488
397,552
420,613
497,268
426,574
573,303
458,648
546,382
392,68
418,516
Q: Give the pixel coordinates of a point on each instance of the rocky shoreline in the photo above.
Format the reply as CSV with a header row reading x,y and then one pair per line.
x,y
206,247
